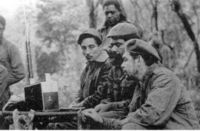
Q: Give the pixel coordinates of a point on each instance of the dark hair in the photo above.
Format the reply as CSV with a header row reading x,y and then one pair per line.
x,y
90,36
148,59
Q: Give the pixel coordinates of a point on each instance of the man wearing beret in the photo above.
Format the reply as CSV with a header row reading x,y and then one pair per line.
x,y
120,89
94,77
11,60
161,102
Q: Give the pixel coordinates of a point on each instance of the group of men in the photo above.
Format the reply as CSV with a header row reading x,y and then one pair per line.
x,y
124,84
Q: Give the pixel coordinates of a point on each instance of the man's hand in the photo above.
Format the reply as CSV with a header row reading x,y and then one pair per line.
x,y
76,105
124,121
92,114
103,107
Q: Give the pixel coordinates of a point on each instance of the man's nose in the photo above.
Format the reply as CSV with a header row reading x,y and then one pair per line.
x,y
109,15
122,66
114,48
87,51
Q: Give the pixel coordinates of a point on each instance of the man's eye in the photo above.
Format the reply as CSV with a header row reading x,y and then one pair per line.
x,y
118,44
83,47
111,45
125,59
91,46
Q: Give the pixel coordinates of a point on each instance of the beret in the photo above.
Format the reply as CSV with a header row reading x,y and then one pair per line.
x,y
90,33
124,30
138,46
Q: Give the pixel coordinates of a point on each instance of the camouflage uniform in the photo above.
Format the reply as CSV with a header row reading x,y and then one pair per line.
x,y
94,83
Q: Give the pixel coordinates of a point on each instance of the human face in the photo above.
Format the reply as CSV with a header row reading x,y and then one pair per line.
x,y
112,15
90,49
116,48
133,66
1,31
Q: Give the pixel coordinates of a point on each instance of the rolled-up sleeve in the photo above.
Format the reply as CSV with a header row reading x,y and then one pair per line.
x,y
160,103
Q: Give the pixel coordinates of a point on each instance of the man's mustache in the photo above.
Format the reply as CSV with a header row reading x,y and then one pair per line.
x,y
112,53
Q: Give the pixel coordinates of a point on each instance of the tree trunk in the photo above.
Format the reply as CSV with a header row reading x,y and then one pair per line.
x,y
176,6
92,14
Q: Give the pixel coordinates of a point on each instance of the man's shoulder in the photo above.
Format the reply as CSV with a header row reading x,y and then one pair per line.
x,y
162,73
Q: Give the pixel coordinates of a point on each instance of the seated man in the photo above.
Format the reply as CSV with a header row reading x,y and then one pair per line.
x,y
93,79
161,102
120,89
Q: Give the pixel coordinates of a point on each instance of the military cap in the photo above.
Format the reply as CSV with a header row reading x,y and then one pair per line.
x,y
2,20
90,33
124,30
137,46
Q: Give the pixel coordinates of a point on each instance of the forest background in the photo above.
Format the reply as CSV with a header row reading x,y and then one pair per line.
x,y
54,26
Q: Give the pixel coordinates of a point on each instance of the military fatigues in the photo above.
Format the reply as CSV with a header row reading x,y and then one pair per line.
x,y
162,102
93,88
10,58
119,94
94,83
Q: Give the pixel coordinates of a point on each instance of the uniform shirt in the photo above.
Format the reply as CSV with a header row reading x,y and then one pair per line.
x,y
93,82
162,103
10,58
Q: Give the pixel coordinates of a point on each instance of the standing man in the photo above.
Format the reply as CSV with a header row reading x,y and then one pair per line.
x,y
11,60
161,102
10,57
113,15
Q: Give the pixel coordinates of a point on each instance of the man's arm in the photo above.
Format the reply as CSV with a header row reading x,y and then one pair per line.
x,y
17,68
106,123
3,85
101,91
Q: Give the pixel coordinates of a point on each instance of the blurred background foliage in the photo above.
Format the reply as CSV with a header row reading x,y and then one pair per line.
x,y
56,24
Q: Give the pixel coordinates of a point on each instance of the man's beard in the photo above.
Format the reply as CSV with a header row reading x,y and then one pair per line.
x,y
116,57
111,23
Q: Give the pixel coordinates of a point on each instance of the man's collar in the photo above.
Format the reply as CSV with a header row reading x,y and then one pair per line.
x,y
150,71
102,57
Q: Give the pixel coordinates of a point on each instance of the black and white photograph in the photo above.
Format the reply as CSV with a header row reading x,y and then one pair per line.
x,y
100,65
